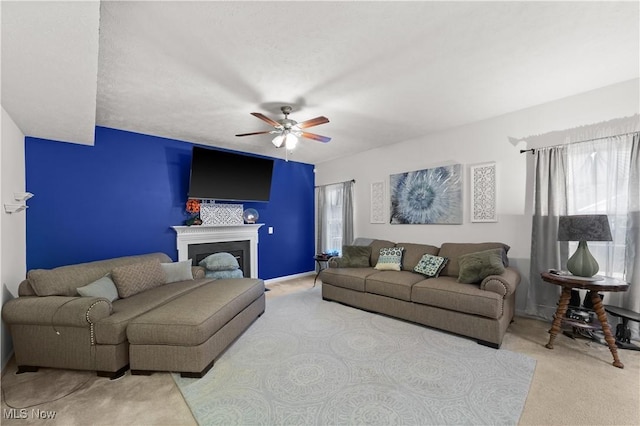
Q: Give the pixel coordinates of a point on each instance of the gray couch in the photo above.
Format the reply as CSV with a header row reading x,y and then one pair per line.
x,y
481,310
179,326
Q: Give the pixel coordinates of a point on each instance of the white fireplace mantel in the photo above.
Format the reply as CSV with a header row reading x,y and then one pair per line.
x,y
202,234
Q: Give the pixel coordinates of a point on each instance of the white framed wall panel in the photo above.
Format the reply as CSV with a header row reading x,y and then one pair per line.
x,y
377,203
483,192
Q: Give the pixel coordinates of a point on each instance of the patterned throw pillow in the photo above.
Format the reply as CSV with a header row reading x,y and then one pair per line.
x,y
390,259
136,278
430,266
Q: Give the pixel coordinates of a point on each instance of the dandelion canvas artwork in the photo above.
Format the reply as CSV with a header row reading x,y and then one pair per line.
x,y
429,196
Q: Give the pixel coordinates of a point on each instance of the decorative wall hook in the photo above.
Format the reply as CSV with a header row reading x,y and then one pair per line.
x,y
22,198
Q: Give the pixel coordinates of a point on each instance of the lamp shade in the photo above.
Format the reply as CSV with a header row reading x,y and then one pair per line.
x,y
588,227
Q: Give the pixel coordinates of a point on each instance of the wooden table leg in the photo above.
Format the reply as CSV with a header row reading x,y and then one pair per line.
x,y
557,319
602,317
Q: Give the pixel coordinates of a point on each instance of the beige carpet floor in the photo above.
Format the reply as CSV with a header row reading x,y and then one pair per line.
x,y
574,384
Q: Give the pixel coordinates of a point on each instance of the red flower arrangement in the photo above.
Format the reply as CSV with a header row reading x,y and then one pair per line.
x,y
193,206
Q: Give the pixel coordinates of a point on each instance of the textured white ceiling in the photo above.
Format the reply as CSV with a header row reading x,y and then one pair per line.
x,y
382,72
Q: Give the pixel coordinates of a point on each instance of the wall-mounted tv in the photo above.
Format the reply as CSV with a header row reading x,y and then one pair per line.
x,y
228,176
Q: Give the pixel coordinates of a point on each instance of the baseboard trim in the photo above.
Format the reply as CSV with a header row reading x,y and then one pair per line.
x,y
289,277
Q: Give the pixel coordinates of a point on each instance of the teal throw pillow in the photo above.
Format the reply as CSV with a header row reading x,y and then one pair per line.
x,y
355,256
390,259
178,271
103,287
474,267
219,262
430,265
235,273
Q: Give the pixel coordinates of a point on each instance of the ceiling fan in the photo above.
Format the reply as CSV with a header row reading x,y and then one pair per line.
x,y
288,131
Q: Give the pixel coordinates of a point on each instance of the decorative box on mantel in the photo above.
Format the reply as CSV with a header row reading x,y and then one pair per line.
x,y
203,234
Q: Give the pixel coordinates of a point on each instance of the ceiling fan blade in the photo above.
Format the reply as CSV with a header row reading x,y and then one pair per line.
x,y
254,133
315,137
266,119
313,122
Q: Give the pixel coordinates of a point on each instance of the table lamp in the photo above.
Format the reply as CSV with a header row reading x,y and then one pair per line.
x,y
583,228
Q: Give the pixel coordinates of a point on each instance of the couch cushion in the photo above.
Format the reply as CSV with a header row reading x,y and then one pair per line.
x,y
454,250
447,293
351,278
413,253
64,280
194,317
112,330
355,256
474,267
430,266
376,245
390,259
396,284
136,278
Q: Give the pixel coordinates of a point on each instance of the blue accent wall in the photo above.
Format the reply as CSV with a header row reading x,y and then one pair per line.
x,y
121,196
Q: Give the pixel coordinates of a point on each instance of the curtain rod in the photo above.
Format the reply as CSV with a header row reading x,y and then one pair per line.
x,y
320,186
533,150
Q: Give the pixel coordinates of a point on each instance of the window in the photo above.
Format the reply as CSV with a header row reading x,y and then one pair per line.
x,y
598,183
332,238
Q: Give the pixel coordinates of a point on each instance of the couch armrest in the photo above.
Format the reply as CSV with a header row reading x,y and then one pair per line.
x,y
198,272
504,284
56,310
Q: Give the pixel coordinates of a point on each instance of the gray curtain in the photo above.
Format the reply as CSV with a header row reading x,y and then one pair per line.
x,y
321,220
631,299
347,212
550,202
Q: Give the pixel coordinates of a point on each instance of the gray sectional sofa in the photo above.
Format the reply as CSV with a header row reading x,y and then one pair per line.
x,y
159,320
481,310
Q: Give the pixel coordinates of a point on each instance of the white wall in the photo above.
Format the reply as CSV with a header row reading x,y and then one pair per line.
x,y
480,142
13,253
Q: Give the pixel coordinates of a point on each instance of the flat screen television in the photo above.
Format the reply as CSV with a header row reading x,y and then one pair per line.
x,y
228,176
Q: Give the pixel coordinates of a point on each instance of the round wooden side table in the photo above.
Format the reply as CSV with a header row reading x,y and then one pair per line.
x,y
569,282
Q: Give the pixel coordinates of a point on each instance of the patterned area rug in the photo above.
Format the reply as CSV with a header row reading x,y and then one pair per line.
x,y
311,362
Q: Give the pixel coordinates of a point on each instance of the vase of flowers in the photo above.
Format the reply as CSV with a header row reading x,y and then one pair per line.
x,y
193,210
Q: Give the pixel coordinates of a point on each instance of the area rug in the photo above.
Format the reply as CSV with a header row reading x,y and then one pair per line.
x,y
311,362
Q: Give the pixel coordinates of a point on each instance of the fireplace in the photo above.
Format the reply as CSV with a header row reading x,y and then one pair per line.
x,y
197,242
241,250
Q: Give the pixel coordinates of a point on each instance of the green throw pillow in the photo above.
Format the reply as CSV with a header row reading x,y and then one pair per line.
x,y
355,256
220,262
430,266
474,267
103,287
390,259
178,271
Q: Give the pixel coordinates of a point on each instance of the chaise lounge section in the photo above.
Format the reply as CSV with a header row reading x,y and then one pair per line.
x,y
53,326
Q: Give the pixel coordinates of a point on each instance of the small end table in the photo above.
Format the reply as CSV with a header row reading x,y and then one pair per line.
x,y
320,259
568,282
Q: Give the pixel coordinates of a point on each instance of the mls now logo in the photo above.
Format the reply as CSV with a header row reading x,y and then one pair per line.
x,y
15,413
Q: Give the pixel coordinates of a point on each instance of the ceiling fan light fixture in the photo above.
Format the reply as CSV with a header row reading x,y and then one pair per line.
x,y
278,140
291,141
